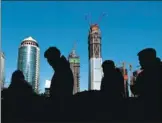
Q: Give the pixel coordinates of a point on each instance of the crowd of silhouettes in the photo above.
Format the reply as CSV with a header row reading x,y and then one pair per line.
x,y
20,103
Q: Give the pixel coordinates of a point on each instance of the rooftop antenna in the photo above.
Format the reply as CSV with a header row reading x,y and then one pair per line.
x,y
73,51
74,46
100,17
88,18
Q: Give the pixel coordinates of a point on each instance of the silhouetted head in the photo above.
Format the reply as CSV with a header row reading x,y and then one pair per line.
x,y
17,75
147,57
108,65
158,59
53,56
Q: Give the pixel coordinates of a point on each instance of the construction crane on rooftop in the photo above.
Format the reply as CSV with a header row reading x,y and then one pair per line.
x,y
94,54
89,19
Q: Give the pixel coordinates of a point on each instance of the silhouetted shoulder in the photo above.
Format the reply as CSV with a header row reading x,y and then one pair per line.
x,y
64,61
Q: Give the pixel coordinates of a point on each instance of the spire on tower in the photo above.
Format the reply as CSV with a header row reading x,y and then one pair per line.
x,y
74,49
73,52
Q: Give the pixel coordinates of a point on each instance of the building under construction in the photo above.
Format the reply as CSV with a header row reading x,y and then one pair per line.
x,y
95,57
74,61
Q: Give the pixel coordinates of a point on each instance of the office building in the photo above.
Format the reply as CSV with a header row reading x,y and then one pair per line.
x,y
29,61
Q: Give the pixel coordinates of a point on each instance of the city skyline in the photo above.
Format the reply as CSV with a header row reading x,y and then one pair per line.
x,y
128,28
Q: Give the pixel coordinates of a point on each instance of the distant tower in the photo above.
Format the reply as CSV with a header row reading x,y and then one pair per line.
x,y
95,58
2,69
74,61
29,60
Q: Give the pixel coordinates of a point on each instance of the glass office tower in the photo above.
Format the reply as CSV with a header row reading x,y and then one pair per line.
x,y
29,60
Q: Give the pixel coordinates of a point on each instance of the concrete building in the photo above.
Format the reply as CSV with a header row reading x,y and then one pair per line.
x,y
2,69
95,58
74,61
29,61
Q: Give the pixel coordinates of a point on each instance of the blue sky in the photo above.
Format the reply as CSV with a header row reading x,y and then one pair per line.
x,y
128,28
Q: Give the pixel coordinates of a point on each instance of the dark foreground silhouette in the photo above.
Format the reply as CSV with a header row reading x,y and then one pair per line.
x,y
21,104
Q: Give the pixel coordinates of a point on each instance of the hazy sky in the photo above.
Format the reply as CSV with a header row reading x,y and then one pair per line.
x,y
128,28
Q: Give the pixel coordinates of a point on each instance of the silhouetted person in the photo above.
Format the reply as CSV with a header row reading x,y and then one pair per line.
x,y
113,81
146,79
62,81
112,85
159,62
20,96
121,80
19,86
147,84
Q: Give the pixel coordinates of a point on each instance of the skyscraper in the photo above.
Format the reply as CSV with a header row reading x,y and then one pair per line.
x,y
28,61
74,61
95,59
2,69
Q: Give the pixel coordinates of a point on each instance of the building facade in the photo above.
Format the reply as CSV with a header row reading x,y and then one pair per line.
x,y
95,58
74,61
29,61
2,69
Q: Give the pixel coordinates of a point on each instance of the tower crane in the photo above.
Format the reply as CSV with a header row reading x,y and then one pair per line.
x,y
101,16
88,18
